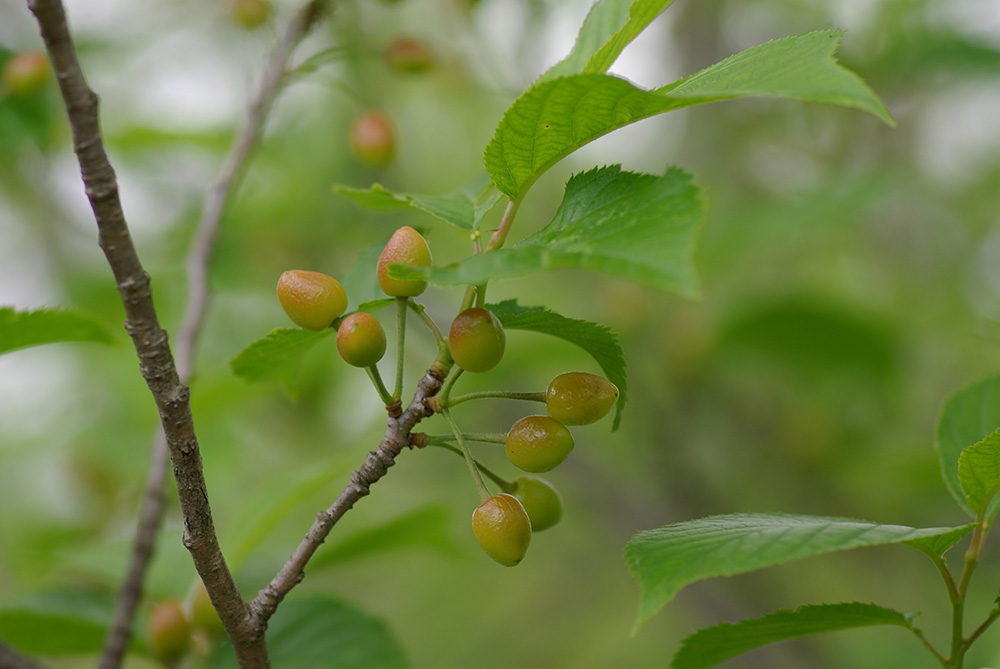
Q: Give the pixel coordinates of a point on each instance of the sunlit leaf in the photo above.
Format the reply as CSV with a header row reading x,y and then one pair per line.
x,y
278,355
713,645
636,227
979,472
666,559
597,340
314,631
20,329
554,118
967,417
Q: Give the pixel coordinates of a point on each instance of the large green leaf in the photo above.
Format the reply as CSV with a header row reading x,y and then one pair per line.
x,y
464,208
609,27
597,340
554,118
666,559
315,631
712,645
637,227
20,329
979,473
425,527
967,417
278,355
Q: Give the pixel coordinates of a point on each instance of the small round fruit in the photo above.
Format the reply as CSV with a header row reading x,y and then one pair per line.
x,y
373,138
578,398
203,614
408,54
477,340
169,631
537,443
540,500
251,13
502,528
312,300
361,340
25,73
406,247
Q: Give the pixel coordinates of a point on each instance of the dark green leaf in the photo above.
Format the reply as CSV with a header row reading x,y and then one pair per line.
x,y
710,646
313,631
979,473
20,329
597,340
637,227
609,27
666,559
967,417
426,527
554,118
278,355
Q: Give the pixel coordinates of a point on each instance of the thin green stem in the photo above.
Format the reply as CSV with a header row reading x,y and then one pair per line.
x,y
449,383
376,378
496,394
484,492
942,660
481,295
421,311
482,437
499,235
401,303
468,298
949,580
994,614
958,643
505,485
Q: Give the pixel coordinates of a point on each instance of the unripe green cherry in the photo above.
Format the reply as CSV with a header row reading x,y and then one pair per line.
x,y
408,54
202,613
578,398
540,500
25,73
537,443
407,247
502,528
477,340
361,340
373,138
251,13
169,632
312,300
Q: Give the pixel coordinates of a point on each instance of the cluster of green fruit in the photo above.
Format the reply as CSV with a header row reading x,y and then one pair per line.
x,y
476,342
174,628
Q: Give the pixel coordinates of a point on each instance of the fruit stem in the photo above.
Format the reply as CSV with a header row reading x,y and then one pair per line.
x,y
484,493
376,378
481,295
505,485
421,311
401,303
483,437
500,394
499,235
448,384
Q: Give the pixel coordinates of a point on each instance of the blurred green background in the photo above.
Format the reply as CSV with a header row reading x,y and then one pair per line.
x,y
851,282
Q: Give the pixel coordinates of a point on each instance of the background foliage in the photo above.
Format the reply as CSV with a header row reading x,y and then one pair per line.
x,y
850,284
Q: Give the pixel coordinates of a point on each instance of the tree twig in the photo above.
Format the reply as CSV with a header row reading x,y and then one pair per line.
x,y
11,659
156,362
198,262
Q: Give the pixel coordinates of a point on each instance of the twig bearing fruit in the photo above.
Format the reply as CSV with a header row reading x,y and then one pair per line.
x,y
407,247
538,443
578,398
361,340
502,528
312,300
540,500
477,340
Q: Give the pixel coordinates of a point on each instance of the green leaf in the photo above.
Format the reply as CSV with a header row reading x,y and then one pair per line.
x,y
464,208
666,559
979,473
278,355
713,645
21,329
426,527
554,118
938,545
966,418
609,27
597,340
636,227
314,631
59,623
